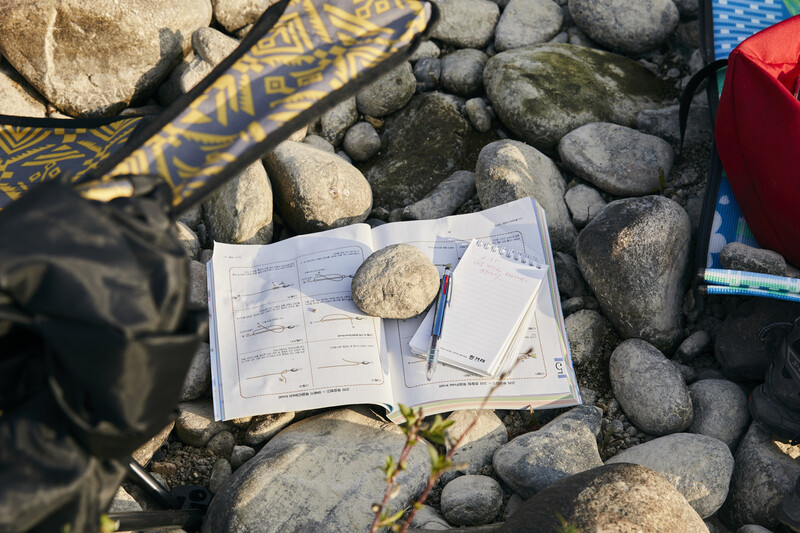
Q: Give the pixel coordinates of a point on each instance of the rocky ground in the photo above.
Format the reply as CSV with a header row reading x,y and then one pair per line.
x,y
589,106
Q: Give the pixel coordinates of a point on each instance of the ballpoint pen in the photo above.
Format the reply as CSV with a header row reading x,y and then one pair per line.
x,y
445,288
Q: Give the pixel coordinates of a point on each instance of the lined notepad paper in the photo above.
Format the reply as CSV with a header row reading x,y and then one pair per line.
x,y
493,292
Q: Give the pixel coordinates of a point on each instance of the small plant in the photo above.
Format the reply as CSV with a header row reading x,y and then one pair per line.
x,y
564,526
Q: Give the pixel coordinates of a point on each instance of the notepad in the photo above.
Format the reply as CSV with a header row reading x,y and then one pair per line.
x,y
491,305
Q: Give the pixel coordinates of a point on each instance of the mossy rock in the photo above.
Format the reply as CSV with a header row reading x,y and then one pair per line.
x,y
542,92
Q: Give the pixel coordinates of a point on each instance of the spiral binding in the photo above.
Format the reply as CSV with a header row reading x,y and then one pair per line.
x,y
514,255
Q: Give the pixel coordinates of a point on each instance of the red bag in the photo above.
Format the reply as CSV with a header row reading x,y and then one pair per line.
x,y
758,135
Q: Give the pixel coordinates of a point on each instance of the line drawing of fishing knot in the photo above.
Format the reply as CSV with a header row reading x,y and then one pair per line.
x,y
327,277
273,328
348,362
530,354
278,285
282,373
338,316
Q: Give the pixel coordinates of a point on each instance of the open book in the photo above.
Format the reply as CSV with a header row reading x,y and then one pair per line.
x,y
286,335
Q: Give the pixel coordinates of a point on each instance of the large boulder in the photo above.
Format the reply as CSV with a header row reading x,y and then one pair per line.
x,y
94,57
542,92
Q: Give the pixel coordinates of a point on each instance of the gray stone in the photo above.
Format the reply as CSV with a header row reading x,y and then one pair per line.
x,y
585,330
687,8
145,452
462,72
479,115
738,256
693,345
188,240
361,142
240,212
700,467
321,474
527,22
17,97
198,378
235,14
512,506
664,123
398,281
222,444
584,203
170,89
626,26
334,123
720,410
444,199
572,305
389,93
264,427
568,274
319,143
633,255
479,444
532,89
471,500
197,69
428,73
649,388
240,455
753,528
616,159
220,474
198,288
428,518
315,190
124,503
405,171
192,217
426,49
615,497
508,170
766,471
564,446
195,424
466,23
687,373
70,51
212,45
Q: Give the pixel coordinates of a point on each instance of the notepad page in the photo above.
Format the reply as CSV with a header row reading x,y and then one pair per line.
x,y
491,294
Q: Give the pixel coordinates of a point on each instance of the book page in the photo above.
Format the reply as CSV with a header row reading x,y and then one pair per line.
x,y
543,375
491,295
288,336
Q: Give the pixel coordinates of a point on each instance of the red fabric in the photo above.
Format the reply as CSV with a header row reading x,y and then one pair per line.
x,y
758,135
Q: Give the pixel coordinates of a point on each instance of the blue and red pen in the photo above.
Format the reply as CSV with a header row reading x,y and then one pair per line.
x,y
443,299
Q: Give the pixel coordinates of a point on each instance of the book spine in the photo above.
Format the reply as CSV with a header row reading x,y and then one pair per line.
x,y
514,255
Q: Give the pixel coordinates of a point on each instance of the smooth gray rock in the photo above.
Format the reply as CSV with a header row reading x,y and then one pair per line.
x,y
617,159
405,173
240,212
627,26
687,8
584,203
568,274
361,142
240,455
222,444
70,51
264,427
738,256
664,123
145,452
316,190
235,14
389,93
564,446
17,97
693,345
720,410
649,388
198,378
198,287
700,467
212,45
466,23
508,170
616,497
321,474
188,239
195,424
479,444
319,143
124,503
479,115
766,471
585,330
192,217
462,72
428,518
634,254
428,73
444,199
527,22
196,69
471,500
333,124
220,474
532,89
398,281
425,49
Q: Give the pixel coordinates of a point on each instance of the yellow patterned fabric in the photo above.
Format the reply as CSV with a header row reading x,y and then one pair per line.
x,y
314,50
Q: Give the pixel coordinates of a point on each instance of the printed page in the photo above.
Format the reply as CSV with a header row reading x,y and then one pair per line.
x,y
288,336
543,375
